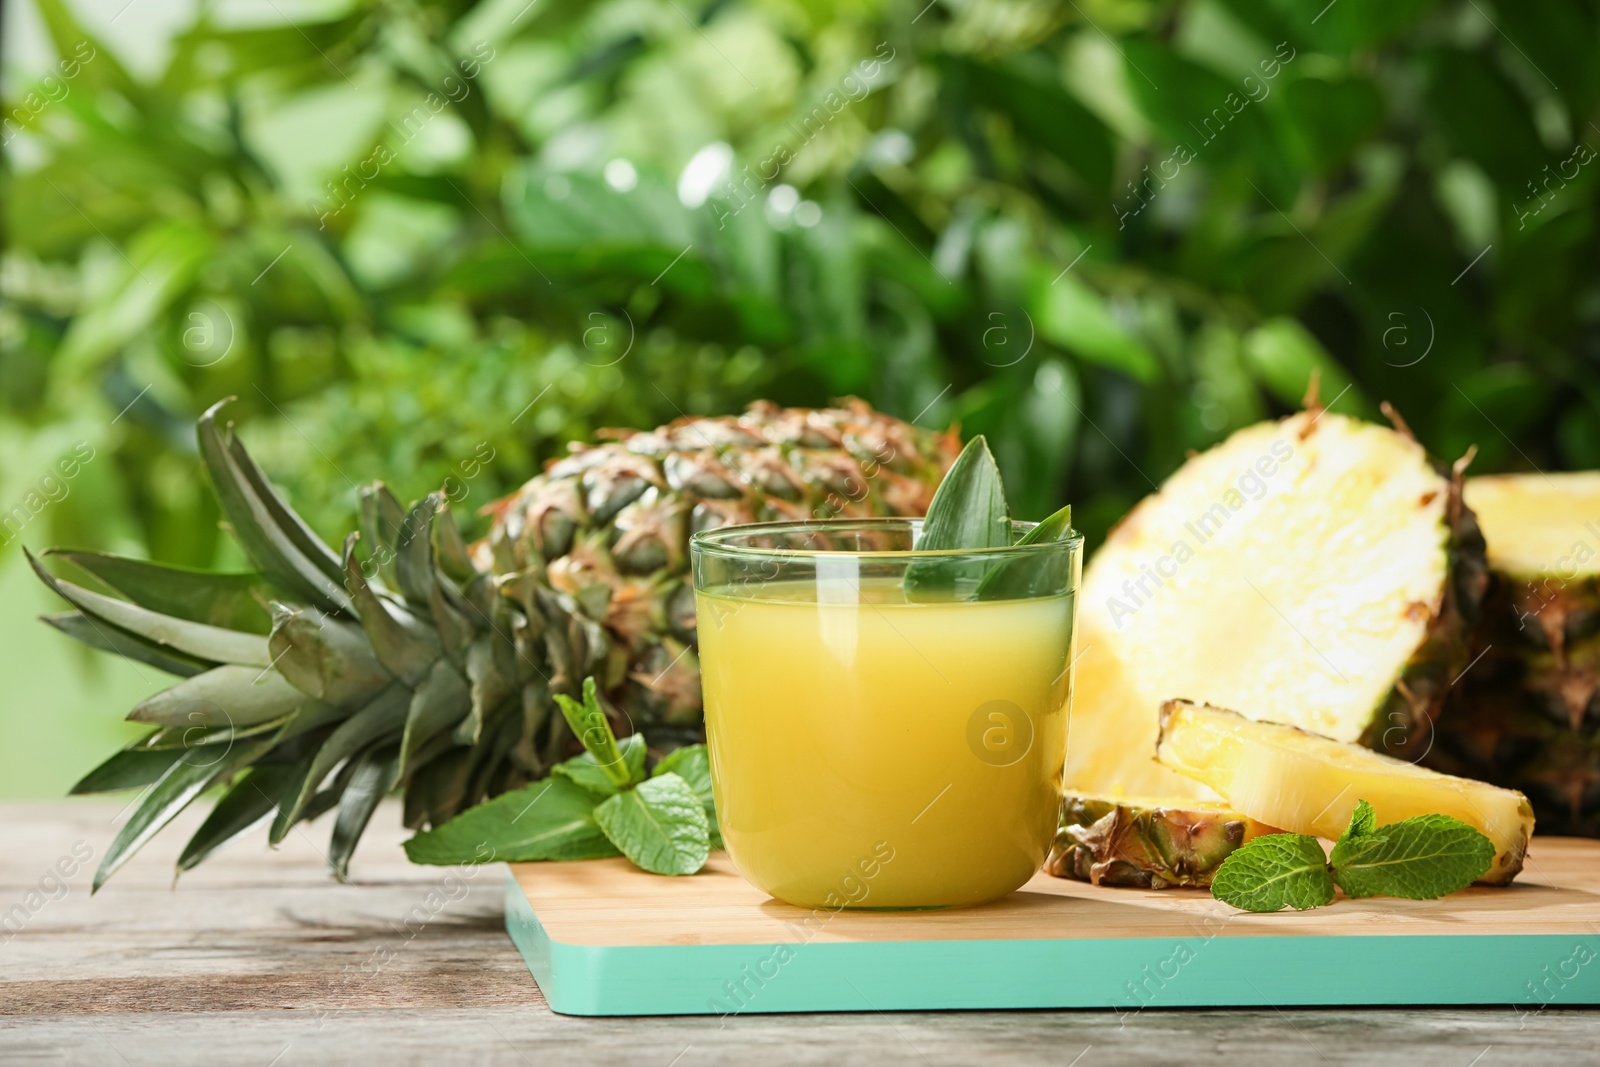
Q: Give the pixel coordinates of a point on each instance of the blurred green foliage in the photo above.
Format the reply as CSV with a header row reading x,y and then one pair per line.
x,y
1102,232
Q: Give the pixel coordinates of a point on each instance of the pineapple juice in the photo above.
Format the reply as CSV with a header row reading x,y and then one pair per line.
x,y
871,752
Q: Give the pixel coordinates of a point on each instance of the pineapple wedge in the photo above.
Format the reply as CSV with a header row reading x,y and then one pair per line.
x,y
1147,842
1317,569
1526,715
1309,784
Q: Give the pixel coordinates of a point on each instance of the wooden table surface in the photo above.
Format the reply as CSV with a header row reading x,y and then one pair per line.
x,y
258,958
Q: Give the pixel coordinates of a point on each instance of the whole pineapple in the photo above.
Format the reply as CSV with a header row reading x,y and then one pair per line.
x,y
1527,713
327,679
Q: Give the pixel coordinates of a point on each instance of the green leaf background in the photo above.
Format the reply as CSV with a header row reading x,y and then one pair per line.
x,y
1395,208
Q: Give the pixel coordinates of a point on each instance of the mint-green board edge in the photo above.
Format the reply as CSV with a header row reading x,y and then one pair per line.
x,y
1523,971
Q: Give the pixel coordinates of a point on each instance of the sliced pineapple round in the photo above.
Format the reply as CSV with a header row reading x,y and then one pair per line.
x,y
1147,842
1309,570
1310,785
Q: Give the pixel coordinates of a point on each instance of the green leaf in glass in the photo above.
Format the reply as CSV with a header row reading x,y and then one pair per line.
x,y
967,512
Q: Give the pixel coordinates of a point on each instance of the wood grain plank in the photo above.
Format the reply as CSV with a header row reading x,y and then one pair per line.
x,y
259,958
509,1037
611,902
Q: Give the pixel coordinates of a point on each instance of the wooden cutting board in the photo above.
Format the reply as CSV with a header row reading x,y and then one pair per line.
x,y
604,938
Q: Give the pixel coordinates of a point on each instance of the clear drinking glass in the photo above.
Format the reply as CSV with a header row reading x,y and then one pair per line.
x,y
887,728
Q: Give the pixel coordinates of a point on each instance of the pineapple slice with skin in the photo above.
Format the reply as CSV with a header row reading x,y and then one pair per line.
x,y
1525,715
1309,784
1543,534
1319,568
1147,842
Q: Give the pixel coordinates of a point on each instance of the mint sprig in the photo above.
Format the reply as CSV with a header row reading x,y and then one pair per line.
x,y
591,727
1421,858
1274,872
598,804
548,820
692,763
660,825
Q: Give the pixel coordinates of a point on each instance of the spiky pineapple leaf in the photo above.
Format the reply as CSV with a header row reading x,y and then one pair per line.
x,y
585,771
442,700
437,790
405,647
225,600
255,528
230,695
312,547
327,657
450,548
551,819
331,795
212,643
383,717
491,669
310,717
659,824
108,638
128,769
180,737
248,802
184,780
381,518
368,784
451,620
413,561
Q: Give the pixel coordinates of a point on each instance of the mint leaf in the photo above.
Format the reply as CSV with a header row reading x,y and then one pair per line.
x,y
587,772
659,824
692,763
549,820
1363,821
590,726
1026,576
1421,858
1274,871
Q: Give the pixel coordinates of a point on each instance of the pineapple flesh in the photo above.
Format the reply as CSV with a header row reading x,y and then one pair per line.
x,y
1318,568
1309,784
325,679
1146,842
1527,713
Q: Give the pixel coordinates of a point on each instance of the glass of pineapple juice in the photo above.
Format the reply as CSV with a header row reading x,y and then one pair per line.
x,y
887,728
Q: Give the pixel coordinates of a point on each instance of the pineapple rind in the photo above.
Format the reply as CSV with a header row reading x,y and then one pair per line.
x,y
1145,842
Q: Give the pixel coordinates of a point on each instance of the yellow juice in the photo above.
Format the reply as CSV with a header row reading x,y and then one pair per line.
x,y
871,752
